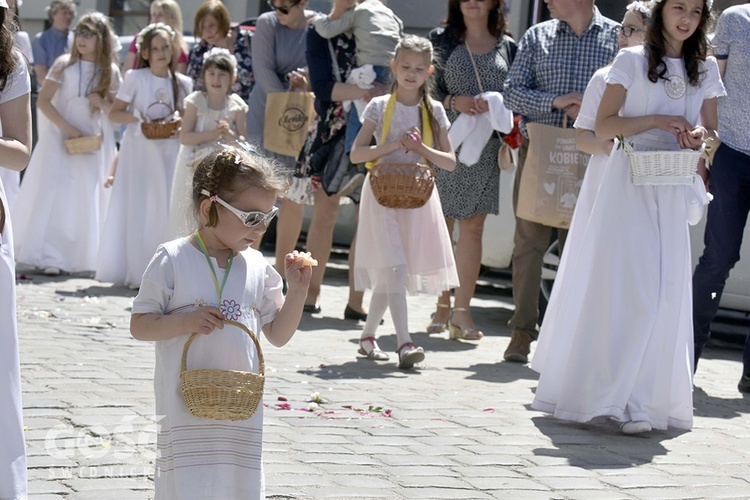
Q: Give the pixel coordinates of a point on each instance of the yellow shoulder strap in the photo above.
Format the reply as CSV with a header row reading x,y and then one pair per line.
x,y
390,108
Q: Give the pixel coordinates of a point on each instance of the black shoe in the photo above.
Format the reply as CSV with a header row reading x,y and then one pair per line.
x,y
353,315
311,308
744,385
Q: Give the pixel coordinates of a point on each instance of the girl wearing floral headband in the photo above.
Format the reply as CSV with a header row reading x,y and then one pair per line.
x,y
137,219
621,343
212,116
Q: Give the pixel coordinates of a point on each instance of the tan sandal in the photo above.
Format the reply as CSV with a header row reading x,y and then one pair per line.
x,y
439,326
455,332
375,353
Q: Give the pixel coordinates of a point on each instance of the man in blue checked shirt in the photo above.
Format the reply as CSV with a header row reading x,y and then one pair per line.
x,y
553,65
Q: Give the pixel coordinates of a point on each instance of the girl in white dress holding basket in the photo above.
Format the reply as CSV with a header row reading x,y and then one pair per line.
x,y
620,342
62,203
149,102
402,250
192,285
211,116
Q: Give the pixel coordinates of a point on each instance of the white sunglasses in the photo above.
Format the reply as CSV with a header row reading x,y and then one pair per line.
x,y
250,219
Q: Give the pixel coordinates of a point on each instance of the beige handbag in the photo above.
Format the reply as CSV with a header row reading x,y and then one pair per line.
x,y
288,116
552,176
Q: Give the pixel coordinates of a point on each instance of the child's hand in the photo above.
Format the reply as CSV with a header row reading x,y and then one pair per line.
x,y
298,271
692,139
109,181
203,320
412,140
673,123
96,100
72,132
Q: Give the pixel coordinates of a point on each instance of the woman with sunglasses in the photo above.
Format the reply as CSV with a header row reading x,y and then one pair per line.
x,y
279,46
475,54
212,26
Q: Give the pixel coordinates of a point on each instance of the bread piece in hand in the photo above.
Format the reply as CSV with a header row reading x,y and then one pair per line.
x,y
306,258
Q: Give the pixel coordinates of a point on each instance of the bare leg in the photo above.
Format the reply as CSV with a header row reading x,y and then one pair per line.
x,y
468,263
320,239
288,228
443,311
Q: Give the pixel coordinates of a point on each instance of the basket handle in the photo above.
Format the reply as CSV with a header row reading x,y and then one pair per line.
x,y
171,111
261,359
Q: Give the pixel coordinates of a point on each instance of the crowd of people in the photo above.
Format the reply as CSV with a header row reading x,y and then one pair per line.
x,y
178,209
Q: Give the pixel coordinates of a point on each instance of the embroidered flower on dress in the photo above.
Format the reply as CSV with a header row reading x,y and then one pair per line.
x,y
199,303
231,310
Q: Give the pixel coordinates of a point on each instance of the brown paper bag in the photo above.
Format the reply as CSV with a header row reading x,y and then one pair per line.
x,y
288,116
552,176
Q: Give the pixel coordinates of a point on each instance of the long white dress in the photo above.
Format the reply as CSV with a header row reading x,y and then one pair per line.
x,y
416,239
620,341
138,216
182,219
196,458
12,449
61,206
589,189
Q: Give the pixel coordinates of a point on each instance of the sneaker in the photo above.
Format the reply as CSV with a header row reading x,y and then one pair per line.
x,y
519,347
635,427
351,184
52,271
744,385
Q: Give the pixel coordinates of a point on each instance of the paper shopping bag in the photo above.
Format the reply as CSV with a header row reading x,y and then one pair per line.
x,y
288,116
552,176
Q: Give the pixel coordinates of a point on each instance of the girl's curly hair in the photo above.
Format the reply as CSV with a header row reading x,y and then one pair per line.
x,y
227,170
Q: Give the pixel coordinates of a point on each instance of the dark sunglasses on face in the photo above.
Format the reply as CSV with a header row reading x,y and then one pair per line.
x,y
629,30
284,10
87,34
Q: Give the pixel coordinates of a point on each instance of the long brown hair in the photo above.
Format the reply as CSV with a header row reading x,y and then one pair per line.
x,y
8,58
694,49
105,49
456,28
422,46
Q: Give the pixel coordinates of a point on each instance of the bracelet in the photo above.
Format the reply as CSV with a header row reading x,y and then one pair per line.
x,y
452,103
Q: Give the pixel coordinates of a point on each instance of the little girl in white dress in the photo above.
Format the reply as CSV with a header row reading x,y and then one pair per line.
x,y
211,117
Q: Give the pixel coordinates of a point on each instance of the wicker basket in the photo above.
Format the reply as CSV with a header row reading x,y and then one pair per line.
x,y
223,394
85,144
662,167
160,129
402,185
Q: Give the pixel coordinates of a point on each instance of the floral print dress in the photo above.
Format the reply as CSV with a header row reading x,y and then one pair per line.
x,y
242,51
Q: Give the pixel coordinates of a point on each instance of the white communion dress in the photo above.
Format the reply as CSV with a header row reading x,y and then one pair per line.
x,y
182,220
619,341
197,458
138,216
416,239
61,206
13,448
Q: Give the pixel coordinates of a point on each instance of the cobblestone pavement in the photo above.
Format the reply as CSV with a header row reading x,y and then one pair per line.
x,y
461,427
